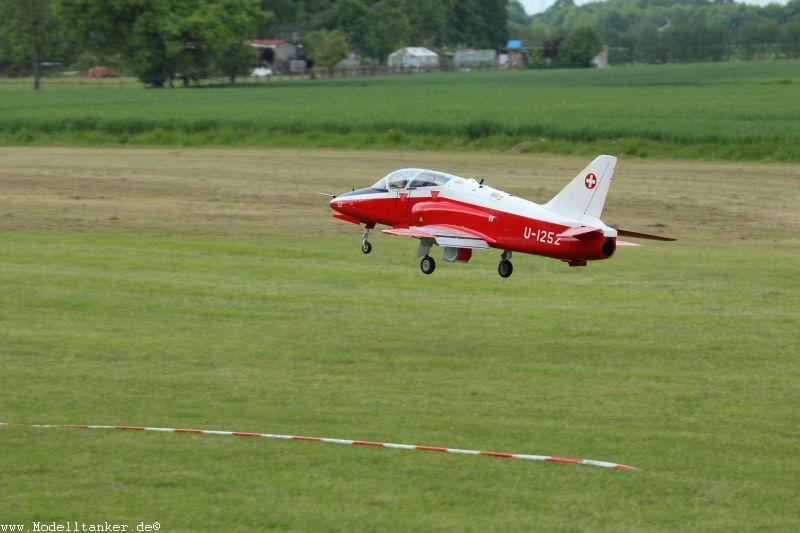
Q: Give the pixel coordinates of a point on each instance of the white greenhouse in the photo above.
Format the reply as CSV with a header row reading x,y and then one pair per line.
x,y
413,57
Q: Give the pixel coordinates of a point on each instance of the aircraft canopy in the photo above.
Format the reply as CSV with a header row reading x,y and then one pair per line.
x,y
412,178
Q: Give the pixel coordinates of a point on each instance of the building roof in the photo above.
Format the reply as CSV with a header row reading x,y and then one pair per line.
x,y
264,43
514,44
415,51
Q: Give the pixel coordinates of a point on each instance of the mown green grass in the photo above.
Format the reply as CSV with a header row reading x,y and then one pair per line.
x,y
739,111
184,288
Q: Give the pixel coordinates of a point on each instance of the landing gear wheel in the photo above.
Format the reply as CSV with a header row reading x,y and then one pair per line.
x,y
366,247
505,268
427,265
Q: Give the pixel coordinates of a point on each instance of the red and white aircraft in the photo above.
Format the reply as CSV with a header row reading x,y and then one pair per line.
x,y
462,215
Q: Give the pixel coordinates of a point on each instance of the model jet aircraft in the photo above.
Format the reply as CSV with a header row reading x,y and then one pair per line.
x,y
462,215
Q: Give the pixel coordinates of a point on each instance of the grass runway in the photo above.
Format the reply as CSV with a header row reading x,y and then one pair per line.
x,y
211,288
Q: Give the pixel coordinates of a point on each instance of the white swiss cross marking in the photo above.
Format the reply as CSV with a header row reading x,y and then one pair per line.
x,y
590,181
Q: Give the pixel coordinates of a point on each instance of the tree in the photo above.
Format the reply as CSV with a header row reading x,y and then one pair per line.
x,y
494,28
351,17
327,47
388,30
427,21
580,47
236,60
647,47
753,35
31,33
167,39
790,37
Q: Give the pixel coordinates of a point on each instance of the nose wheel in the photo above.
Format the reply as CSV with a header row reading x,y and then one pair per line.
x,y
366,246
505,268
427,265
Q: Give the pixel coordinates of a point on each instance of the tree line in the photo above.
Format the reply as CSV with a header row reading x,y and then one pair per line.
x,y
664,31
168,41
164,42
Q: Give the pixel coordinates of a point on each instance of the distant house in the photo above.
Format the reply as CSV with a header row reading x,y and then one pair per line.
x,y
601,59
513,55
474,58
275,54
98,72
352,60
413,57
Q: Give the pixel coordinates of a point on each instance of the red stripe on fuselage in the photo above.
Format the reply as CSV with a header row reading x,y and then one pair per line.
x,y
507,231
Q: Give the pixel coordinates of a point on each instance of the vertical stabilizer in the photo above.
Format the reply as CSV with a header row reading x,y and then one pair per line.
x,y
586,193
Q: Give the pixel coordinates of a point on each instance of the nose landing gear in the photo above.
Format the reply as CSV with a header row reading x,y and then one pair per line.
x,y
366,246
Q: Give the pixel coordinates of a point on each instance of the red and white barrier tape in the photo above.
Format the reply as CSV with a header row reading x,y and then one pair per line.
x,y
547,458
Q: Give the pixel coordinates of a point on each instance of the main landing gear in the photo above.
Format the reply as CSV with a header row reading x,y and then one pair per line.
x,y
427,265
366,246
505,268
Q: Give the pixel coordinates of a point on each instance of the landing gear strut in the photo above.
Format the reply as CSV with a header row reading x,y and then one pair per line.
x,y
427,265
366,246
505,268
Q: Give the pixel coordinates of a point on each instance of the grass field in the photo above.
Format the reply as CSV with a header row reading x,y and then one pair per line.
x,y
211,289
735,111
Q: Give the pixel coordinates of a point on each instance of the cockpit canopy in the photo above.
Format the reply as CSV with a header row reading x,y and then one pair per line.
x,y
412,178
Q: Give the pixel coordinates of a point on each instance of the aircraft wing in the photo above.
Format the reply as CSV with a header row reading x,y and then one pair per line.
x,y
452,236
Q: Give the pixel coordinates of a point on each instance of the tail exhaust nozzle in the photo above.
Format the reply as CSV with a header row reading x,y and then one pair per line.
x,y
609,247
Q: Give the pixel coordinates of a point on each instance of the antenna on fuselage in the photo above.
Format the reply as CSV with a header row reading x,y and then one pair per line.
x,y
480,183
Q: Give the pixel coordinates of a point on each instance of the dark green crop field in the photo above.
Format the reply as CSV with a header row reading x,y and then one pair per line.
x,y
212,289
737,111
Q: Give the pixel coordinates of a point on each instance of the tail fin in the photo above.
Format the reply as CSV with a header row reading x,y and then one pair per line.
x,y
586,193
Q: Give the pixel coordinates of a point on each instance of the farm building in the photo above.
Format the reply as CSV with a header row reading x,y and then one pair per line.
x,y
413,57
513,55
275,54
98,72
474,58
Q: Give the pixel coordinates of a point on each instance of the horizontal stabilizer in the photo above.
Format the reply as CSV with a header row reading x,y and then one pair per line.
x,y
626,233
580,230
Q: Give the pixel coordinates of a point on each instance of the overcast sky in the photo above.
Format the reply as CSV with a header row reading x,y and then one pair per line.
x,y
535,6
